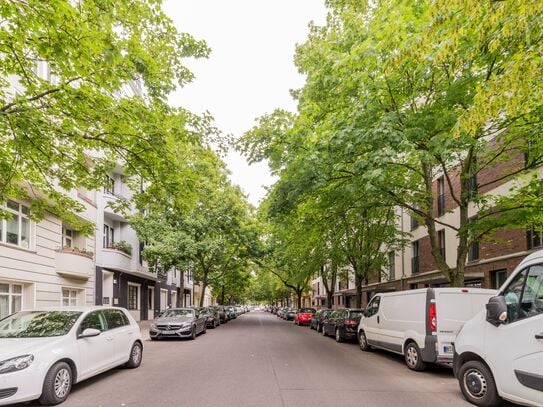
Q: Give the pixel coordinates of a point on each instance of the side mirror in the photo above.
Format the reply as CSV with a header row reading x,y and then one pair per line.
x,y
496,310
89,333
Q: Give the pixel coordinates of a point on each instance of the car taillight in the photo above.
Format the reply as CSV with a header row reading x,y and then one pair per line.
x,y
432,318
351,322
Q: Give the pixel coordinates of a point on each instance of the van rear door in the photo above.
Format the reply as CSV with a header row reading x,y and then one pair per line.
x,y
455,306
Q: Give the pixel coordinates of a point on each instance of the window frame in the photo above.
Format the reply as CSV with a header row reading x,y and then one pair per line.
x,y
22,212
10,294
70,291
129,299
415,258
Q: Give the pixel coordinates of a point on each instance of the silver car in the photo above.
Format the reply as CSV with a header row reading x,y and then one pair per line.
x,y
178,323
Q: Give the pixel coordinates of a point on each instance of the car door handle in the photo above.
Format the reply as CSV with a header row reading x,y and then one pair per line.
x,y
377,318
539,336
109,339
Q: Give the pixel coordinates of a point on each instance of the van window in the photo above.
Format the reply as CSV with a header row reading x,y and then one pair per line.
x,y
532,296
373,307
512,296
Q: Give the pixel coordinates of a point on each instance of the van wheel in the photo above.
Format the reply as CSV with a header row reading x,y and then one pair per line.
x,y
363,342
413,357
477,384
339,339
57,384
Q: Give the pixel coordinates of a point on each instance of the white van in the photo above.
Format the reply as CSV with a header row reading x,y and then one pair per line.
x,y
420,324
499,353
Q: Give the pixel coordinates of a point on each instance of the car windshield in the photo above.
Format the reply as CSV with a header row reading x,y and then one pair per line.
x,y
307,310
38,324
172,313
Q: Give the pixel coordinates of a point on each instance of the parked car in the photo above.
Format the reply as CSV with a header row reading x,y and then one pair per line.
x,y
318,317
211,316
499,352
290,314
281,311
342,324
420,324
222,312
303,316
43,352
231,312
178,323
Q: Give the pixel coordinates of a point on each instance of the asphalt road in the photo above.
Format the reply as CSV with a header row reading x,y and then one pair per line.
x,y
259,360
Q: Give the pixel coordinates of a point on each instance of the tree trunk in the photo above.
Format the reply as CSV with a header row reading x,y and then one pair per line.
x,y
204,286
299,293
358,284
222,294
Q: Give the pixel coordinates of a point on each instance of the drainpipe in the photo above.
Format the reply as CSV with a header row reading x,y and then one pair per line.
x,y
403,255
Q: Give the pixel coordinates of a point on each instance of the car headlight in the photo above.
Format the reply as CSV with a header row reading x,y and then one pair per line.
x,y
15,364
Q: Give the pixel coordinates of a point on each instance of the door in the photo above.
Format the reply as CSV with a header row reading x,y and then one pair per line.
x,y
118,326
163,299
371,320
516,348
95,353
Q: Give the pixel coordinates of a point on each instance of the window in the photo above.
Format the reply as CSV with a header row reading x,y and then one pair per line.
x,y
110,186
151,297
133,297
95,320
67,237
524,295
534,237
414,223
391,265
16,229
109,236
116,318
415,257
441,196
69,297
498,278
373,307
441,242
11,298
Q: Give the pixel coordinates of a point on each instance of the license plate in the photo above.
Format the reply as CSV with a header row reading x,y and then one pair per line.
x,y
168,332
448,349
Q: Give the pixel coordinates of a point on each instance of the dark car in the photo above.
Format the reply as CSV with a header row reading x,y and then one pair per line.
x,y
342,323
178,323
223,318
231,311
211,315
318,317
290,314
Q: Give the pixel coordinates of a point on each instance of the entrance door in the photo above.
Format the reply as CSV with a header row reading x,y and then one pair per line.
x,y
163,299
174,299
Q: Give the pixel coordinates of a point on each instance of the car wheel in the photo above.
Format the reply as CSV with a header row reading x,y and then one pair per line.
x,y
57,384
324,331
413,357
339,339
477,384
193,333
363,342
136,354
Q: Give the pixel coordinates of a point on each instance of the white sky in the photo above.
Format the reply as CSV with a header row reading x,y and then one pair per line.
x,y
250,70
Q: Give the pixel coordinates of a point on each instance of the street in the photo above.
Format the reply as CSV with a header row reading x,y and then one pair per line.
x,y
259,360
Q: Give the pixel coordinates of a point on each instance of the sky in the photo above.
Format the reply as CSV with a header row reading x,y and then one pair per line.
x,y
250,70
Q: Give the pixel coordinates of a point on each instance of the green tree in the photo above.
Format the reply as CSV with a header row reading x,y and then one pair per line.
x,y
66,128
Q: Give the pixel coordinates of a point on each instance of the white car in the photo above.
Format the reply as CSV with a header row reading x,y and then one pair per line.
x,y
43,352
499,353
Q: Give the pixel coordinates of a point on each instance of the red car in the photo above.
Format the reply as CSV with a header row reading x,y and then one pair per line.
x,y
303,316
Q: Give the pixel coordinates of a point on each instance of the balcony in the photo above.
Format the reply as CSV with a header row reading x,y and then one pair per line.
x,y
114,200
76,264
116,260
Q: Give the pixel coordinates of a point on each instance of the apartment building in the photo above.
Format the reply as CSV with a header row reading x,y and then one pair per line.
x,y
122,276
46,263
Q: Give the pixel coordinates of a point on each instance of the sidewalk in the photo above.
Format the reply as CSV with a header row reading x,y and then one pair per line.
x,y
144,328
